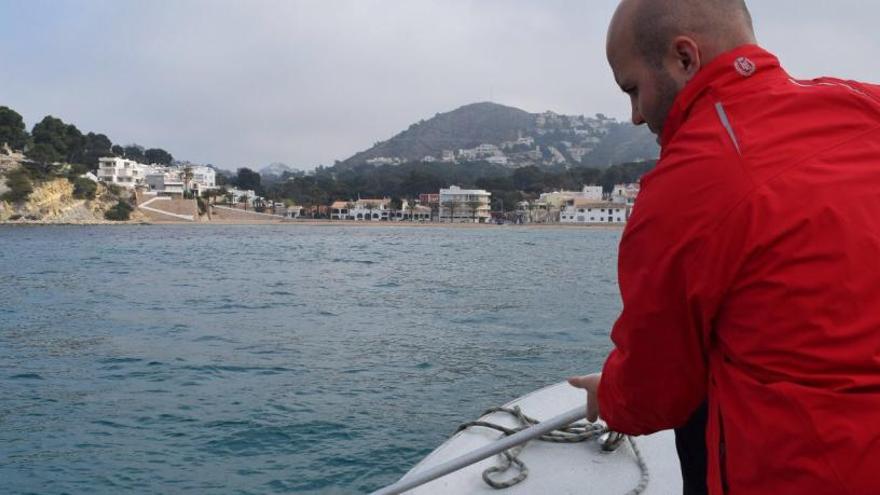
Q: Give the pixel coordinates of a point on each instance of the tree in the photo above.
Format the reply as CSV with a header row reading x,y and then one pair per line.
x,y
452,206
121,212
158,155
84,188
474,205
117,150
20,186
187,176
44,154
134,152
53,134
247,179
12,129
96,146
411,206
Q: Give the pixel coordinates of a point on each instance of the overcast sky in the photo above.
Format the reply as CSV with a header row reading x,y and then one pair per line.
x,y
307,82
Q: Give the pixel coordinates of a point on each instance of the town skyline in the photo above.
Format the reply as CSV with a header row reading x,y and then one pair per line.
x,y
305,83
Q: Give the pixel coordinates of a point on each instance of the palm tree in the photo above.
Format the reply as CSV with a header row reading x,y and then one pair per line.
x,y
452,206
411,206
187,176
474,205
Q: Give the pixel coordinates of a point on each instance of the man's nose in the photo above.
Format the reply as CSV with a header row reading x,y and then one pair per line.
x,y
637,118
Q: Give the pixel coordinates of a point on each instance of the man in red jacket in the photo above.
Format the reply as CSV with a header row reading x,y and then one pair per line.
x,y
750,268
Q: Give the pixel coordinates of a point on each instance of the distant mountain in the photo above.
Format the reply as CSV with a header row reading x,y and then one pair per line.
x,y
512,137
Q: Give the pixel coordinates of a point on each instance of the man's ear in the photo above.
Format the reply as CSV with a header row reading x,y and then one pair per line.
x,y
687,57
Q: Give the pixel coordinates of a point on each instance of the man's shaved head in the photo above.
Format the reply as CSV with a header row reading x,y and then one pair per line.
x,y
656,46
723,24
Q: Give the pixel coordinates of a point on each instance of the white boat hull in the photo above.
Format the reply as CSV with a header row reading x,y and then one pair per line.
x,y
579,468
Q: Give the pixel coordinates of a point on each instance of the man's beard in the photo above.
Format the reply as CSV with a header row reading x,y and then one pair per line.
x,y
667,90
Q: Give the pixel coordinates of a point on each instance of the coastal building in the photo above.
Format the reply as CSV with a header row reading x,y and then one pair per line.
x,y
340,210
291,211
122,171
370,209
239,196
429,199
459,205
203,179
625,193
557,199
164,183
587,211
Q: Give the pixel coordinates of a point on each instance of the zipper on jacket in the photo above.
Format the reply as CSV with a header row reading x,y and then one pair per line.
x,y
722,454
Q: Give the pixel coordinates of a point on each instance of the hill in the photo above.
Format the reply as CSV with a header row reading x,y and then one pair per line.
x,y
512,137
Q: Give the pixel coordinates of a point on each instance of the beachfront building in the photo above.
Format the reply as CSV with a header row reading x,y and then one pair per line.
x,y
558,199
459,205
122,171
587,211
370,209
203,179
291,211
241,196
164,183
342,210
625,193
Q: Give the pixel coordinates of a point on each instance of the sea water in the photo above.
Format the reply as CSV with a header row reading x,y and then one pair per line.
x,y
278,359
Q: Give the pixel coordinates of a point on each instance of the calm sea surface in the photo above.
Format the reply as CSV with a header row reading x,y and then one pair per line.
x,y
288,359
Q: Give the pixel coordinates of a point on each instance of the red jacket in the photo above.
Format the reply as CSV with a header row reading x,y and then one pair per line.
x,y
750,275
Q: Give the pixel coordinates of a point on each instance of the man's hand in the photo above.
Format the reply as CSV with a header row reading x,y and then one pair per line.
x,y
590,383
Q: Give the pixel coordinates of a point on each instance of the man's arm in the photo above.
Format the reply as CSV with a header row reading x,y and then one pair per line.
x,y
656,375
675,265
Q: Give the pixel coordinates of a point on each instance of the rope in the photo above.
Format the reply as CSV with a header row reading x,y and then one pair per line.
x,y
573,433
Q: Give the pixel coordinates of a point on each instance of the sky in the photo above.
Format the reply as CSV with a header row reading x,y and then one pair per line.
x,y
305,82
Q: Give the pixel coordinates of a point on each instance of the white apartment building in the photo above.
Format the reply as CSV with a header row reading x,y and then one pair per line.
x,y
459,205
586,211
625,193
203,179
248,196
480,152
339,210
370,209
558,198
164,183
121,171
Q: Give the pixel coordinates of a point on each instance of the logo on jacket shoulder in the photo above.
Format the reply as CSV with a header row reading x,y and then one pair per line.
x,y
745,66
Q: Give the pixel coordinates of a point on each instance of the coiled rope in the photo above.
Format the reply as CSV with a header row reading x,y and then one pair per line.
x,y
573,433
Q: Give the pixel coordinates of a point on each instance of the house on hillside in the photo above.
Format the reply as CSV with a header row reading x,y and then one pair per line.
x,y
122,172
